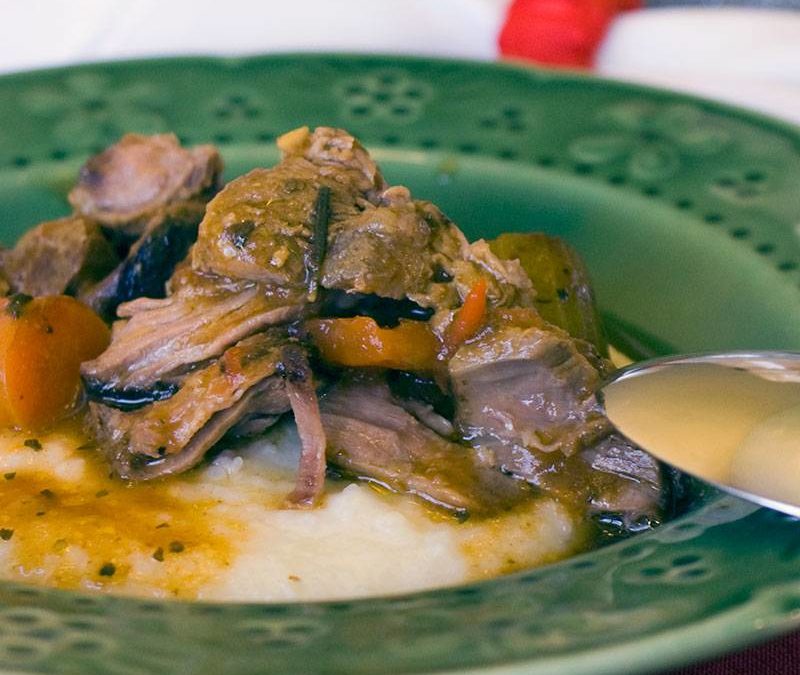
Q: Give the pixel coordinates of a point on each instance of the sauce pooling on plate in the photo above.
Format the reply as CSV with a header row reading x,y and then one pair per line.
x,y
65,522
220,532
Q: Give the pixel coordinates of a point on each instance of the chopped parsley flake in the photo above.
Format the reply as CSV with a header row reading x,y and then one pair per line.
x,y
6,534
108,569
33,444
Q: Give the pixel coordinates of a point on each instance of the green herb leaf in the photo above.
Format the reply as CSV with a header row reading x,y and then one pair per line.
x,y
108,570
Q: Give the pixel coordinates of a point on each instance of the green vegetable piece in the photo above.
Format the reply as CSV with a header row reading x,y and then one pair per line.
x,y
564,295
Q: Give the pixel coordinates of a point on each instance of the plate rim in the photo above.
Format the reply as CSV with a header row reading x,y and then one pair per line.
x,y
536,71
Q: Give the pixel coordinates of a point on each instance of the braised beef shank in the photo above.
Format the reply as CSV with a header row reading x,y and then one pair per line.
x,y
210,289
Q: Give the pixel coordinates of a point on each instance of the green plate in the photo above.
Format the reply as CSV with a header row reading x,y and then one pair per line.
x,y
688,215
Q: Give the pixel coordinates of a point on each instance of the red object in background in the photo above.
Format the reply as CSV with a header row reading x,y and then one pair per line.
x,y
563,33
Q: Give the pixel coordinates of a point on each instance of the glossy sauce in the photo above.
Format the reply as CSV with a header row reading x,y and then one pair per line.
x,y
220,532
725,424
74,526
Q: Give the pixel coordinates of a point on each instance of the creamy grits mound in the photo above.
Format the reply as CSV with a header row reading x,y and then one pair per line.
x,y
222,532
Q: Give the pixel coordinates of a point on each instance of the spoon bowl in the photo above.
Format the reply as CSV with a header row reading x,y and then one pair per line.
x,y
730,419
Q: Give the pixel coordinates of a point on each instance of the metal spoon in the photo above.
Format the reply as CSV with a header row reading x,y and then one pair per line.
x,y
730,419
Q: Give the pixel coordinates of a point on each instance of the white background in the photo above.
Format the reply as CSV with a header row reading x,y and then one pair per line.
x,y
749,57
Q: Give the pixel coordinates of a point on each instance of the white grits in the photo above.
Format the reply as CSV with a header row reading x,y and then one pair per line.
x,y
360,542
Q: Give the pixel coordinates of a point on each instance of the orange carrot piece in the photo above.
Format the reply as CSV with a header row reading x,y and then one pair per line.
x,y
359,342
469,318
42,344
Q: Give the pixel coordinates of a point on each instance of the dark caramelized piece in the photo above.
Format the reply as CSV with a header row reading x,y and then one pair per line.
x,y
387,312
149,263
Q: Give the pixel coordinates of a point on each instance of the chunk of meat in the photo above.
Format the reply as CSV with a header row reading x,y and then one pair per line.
x,y
530,387
406,249
302,396
158,339
63,256
150,262
508,285
124,186
525,396
372,437
260,227
628,486
613,483
265,396
334,149
209,402
389,251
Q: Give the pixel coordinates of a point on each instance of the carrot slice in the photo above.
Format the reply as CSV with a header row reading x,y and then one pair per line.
x,y
469,318
42,344
360,342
